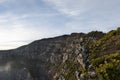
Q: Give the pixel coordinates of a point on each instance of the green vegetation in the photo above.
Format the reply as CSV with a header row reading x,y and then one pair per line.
x,y
70,67
108,66
105,56
108,44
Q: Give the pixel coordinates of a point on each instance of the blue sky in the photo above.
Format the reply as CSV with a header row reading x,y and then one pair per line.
x,y
23,21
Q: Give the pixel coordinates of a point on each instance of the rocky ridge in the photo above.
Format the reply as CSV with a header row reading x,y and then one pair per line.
x,y
67,57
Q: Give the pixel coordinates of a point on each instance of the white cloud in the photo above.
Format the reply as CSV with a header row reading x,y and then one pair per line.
x,y
92,24
81,7
2,1
18,27
88,15
18,35
70,7
15,33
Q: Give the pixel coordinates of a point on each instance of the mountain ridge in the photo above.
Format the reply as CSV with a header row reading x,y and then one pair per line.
x,y
67,57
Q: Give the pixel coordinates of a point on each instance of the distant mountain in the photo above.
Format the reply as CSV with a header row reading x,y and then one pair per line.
x,y
79,56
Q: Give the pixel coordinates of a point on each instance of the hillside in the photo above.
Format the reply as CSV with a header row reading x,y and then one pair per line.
x,y
79,56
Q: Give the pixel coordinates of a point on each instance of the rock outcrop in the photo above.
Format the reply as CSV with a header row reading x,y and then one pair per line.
x,y
68,57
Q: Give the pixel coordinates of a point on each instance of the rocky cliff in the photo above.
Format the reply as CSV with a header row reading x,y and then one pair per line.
x,y
79,56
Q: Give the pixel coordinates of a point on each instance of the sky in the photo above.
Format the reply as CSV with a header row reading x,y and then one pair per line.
x,y
23,21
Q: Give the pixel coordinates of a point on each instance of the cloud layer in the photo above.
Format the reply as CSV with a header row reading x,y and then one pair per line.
x,y
23,21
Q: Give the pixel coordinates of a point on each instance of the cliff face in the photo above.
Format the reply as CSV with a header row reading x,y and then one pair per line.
x,y
70,57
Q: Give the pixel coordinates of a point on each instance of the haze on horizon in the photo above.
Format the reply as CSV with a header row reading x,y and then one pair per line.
x,y
23,21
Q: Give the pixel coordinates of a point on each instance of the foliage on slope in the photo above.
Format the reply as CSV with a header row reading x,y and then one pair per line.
x,y
108,44
107,66
105,56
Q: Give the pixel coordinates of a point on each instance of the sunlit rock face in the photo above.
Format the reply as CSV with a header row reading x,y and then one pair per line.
x,y
56,58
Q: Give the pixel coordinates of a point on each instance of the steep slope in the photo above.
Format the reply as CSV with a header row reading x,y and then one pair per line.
x,y
105,56
69,57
